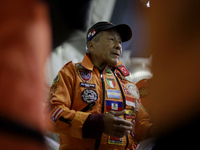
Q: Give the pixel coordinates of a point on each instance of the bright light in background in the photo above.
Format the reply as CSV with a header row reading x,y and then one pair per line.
x,y
142,74
148,4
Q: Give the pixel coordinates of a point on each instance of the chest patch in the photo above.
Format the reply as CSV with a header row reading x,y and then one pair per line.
x,y
113,94
85,75
108,71
133,90
111,82
89,96
126,90
130,114
123,70
130,101
87,85
113,105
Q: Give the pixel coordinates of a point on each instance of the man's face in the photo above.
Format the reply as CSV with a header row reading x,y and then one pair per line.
x,y
108,49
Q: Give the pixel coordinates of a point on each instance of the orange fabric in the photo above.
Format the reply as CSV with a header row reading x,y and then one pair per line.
x,y
175,46
67,92
142,125
144,89
25,43
142,83
9,142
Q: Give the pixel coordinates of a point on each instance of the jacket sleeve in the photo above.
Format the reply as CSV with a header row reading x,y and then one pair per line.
x,y
142,125
63,120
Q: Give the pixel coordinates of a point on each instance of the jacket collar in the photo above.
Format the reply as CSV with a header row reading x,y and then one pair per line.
x,y
119,63
86,63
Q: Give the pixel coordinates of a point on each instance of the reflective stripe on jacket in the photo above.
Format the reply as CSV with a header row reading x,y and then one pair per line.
x,y
81,89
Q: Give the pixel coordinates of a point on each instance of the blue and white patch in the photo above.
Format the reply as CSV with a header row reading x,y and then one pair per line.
x,y
89,96
113,94
87,85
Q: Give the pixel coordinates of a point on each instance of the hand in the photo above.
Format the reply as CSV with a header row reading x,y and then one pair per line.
x,y
114,126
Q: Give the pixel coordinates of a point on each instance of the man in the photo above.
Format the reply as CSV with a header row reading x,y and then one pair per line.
x,y
94,103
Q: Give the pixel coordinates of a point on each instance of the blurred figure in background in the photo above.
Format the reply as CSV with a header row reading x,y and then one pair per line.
x,y
175,98
26,32
144,90
25,43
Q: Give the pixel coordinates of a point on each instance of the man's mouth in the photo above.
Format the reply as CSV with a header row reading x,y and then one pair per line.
x,y
116,54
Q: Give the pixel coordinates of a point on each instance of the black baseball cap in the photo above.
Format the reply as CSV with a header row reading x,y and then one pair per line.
x,y
123,29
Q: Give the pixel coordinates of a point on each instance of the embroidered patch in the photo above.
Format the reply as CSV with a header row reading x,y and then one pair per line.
x,y
123,70
137,105
88,85
130,101
89,96
114,140
111,82
78,65
133,90
56,79
56,114
108,71
113,105
113,94
128,78
130,114
126,90
85,75
53,90
91,34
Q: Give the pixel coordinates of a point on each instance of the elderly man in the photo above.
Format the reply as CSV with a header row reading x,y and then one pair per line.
x,y
94,103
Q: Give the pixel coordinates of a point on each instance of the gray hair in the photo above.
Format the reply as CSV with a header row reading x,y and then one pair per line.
x,y
87,50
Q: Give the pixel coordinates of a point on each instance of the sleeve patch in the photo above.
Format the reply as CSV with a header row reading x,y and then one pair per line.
x,y
56,114
55,80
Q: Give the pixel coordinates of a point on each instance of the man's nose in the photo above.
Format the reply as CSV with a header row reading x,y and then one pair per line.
x,y
118,45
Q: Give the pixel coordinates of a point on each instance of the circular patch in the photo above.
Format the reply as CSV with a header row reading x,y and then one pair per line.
x,y
89,96
133,90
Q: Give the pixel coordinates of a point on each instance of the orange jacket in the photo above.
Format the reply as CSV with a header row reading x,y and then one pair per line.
x,y
81,86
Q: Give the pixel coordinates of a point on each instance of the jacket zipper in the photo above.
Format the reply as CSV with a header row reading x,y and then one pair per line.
x,y
124,102
103,89
97,143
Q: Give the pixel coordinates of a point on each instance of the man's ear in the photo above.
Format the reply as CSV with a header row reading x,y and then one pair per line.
x,y
90,46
